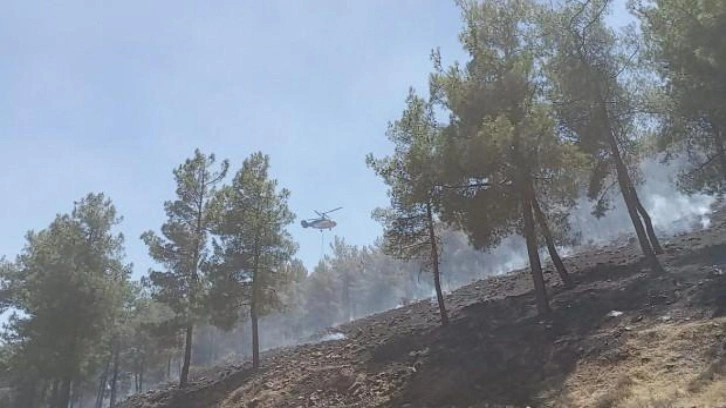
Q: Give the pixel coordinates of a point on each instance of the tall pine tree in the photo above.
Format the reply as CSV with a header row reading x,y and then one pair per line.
x,y
410,227
183,247
504,163
685,45
65,291
588,76
253,243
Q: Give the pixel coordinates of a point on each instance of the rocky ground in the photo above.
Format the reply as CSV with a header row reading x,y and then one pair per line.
x,y
623,337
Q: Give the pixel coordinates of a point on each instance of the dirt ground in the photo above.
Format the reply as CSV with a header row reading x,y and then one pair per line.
x,y
624,337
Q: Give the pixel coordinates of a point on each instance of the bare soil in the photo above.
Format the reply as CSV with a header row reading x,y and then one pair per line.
x,y
623,337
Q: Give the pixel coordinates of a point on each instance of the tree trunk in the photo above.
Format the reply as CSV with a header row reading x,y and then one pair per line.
x,y
720,149
255,338
535,265
64,397
184,375
168,367
631,203
212,345
54,391
28,393
114,378
253,315
141,373
623,177
435,264
648,225
101,392
346,294
526,191
76,396
556,260
626,187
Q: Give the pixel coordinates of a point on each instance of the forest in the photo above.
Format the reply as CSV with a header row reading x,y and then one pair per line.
x,y
553,110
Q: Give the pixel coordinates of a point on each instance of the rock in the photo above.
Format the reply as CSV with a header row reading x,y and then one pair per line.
x,y
253,403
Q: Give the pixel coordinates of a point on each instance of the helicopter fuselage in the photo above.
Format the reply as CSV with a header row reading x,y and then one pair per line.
x,y
320,224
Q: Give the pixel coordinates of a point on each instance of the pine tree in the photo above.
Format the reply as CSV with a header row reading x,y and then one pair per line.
x,y
684,45
504,163
347,264
322,300
65,292
253,243
587,72
410,227
292,297
133,347
183,248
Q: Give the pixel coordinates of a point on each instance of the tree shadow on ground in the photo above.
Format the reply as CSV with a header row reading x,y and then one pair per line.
x,y
704,256
199,394
714,296
500,352
610,271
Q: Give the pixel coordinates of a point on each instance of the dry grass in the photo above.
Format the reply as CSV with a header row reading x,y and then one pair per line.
x,y
663,368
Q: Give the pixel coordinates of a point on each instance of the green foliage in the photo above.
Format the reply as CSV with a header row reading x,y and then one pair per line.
x,y
412,177
532,113
323,300
65,291
501,126
591,77
140,334
685,47
252,244
183,247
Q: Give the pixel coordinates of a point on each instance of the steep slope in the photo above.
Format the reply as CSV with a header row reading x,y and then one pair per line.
x,y
623,337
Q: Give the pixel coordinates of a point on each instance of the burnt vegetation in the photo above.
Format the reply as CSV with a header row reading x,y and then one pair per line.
x,y
553,110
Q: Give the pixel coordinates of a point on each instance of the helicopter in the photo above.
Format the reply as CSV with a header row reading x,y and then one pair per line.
x,y
324,222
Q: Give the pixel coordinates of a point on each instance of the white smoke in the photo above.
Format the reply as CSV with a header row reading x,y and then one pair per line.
x,y
334,336
671,211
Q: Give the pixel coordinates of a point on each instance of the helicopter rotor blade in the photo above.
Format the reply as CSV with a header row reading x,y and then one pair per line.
x,y
334,209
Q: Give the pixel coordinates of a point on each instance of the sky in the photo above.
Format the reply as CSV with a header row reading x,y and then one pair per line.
x,y
111,96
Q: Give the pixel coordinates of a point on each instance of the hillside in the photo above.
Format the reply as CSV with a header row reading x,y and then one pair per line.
x,y
622,338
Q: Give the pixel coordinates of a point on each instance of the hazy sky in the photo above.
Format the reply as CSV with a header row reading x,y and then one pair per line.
x,y
111,96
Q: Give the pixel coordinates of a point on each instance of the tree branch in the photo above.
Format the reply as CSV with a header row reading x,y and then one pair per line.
x,y
607,190
504,183
472,185
703,165
625,65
